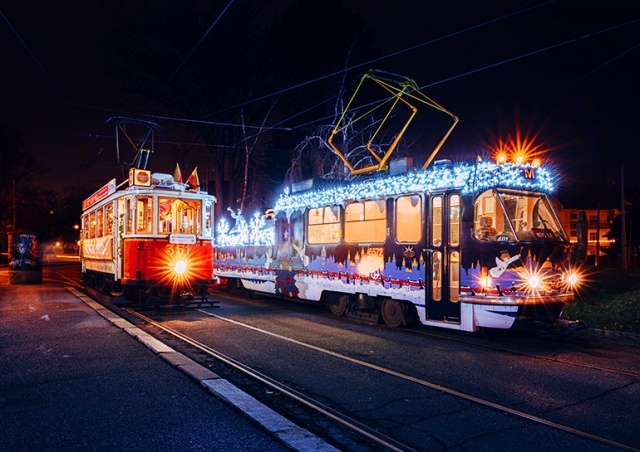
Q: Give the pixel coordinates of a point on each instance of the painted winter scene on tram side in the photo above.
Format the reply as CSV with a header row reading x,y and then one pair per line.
x,y
461,246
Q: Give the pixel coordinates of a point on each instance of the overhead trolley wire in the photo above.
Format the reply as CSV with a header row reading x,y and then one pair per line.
x,y
24,44
193,50
375,60
496,64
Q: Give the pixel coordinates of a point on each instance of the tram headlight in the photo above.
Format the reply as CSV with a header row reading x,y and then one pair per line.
x,y
180,267
572,278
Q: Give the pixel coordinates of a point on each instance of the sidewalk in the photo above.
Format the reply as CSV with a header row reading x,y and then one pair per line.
x,y
72,377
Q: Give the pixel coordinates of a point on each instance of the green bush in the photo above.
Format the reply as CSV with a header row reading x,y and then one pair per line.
x,y
610,300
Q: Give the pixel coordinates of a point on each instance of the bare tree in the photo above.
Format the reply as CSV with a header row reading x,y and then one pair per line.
x,y
313,157
248,149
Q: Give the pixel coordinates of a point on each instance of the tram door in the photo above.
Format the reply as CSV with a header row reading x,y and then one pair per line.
x,y
443,255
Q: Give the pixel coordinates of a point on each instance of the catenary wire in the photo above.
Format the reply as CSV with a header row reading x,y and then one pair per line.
x,y
192,50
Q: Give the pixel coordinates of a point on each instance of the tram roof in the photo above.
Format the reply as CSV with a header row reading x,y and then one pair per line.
x,y
469,178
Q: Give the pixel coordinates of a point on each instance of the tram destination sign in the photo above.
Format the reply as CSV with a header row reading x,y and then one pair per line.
x,y
182,239
103,192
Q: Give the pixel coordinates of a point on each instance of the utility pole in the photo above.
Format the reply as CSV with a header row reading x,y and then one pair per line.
x,y
597,261
623,235
15,206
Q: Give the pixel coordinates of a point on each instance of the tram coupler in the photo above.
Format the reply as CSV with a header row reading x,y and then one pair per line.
x,y
188,298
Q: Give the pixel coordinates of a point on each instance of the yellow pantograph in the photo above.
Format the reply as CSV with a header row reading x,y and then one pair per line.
x,y
404,91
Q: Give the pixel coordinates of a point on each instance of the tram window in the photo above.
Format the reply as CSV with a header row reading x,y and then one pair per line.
x,y
454,220
109,219
130,213
208,217
454,276
436,276
100,223
145,215
165,218
365,222
409,219
491,221
436,221
85,226
92,225
297,228
176,215
509,215
323,225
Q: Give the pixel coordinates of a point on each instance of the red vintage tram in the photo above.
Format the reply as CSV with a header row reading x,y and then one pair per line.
x,y
149,238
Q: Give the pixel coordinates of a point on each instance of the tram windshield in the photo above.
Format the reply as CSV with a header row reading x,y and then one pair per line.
x,y
177,215
510,215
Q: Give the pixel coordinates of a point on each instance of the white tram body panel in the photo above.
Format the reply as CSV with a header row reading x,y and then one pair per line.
x,y
463,247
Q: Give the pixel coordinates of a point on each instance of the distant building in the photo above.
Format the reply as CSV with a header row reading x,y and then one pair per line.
x,y
599,222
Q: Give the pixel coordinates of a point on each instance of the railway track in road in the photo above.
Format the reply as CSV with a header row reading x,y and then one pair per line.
x,y
377,438
373,436
358,427
485,344
634,375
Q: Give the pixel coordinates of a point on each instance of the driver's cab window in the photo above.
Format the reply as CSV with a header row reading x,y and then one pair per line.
x,y
491,223
177,215
508,215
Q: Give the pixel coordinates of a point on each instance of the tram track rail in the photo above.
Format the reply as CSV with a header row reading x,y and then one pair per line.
x,y
346,420
446,390
372,435
443,334
634,375
377,439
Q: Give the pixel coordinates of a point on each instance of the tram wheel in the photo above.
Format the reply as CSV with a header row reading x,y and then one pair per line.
x,y
232,285
338,304
392,313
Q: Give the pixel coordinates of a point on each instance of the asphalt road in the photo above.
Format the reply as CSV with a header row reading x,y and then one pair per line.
x,y
339,361
71,380
583,381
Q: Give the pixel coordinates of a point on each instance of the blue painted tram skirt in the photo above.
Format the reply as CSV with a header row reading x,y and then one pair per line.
x,y
25,258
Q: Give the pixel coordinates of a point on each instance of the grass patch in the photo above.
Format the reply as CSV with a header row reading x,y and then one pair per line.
x,y
610,301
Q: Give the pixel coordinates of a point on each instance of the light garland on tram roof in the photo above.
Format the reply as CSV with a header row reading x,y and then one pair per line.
x,y
468,178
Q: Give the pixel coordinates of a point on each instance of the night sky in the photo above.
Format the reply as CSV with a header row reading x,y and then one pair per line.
x,y
564,73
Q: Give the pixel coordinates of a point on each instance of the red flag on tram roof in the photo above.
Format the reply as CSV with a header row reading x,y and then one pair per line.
x,y
193,181
177,174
